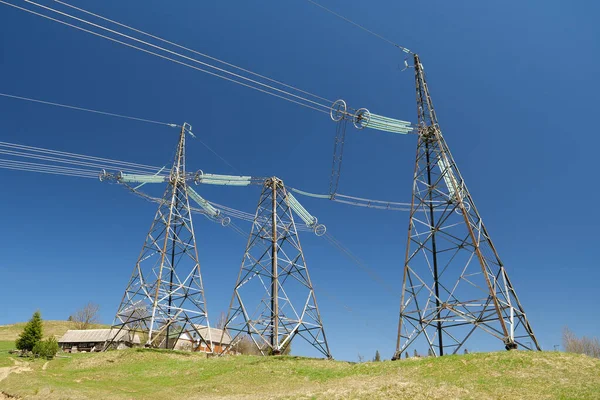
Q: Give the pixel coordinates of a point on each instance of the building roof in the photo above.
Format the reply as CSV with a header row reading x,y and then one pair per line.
x,y
215,334
95,336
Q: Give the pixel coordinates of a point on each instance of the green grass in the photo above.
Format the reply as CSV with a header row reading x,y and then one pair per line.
x,y
5,361
51,328
154,374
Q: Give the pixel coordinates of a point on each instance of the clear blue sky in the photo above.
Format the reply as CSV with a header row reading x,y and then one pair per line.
x,y
516,92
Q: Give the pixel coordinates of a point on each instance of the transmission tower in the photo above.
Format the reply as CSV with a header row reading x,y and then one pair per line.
x,y
165,296
454,282
273,300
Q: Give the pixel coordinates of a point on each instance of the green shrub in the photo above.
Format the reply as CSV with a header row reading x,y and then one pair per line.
x,y
46,349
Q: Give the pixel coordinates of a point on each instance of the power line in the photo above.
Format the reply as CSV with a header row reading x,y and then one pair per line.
x,y
370,271
170,51
315,103
46,169
77,156
193,51
25,164
87,109
66,161
404,49
217,154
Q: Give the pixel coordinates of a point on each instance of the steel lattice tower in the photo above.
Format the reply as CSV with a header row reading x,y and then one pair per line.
x,y
165,295
273,299
453,281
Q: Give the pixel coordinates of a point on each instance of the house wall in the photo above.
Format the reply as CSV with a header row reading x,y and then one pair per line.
x,y
84,346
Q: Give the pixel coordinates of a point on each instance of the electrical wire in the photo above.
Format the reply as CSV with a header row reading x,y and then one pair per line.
x,y
404,49
327,107
66,161
46,169
357,201
217,154
46,166
370,271
78,156
89,110
193,51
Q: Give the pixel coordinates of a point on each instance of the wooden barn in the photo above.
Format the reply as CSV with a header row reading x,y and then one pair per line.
x,y
94,339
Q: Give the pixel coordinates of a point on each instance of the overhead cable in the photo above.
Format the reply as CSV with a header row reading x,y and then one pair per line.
x,y
312,104
285,91
46,169
404,49
357,201
370,271
193,51
216,154
88,109
16,146
60,160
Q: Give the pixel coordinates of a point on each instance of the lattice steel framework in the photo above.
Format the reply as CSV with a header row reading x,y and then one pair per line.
x,y
454,282
273,300
165,295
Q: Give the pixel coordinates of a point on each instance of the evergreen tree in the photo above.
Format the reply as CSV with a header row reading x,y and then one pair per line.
x,y
377,356
32,333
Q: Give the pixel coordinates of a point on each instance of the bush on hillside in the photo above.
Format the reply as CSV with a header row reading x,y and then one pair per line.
x,y
584,345
46,349
32,333
245,345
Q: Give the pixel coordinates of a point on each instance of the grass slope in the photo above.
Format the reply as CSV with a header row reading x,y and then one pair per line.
x,y
155,374
51,328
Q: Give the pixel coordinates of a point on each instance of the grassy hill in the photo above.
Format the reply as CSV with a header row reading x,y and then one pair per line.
x,y
51,328
156,374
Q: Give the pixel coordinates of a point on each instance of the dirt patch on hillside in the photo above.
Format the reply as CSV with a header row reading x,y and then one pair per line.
x,y
19,367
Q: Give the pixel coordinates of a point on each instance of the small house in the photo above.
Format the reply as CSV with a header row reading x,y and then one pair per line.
x,y
94,339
